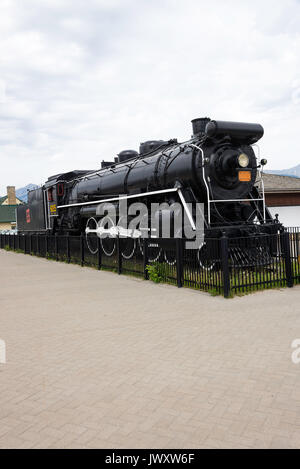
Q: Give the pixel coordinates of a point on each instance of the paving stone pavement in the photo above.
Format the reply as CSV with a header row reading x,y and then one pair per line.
x,y
97,360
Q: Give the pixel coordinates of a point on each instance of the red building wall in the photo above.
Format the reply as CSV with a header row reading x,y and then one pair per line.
x,y
282,199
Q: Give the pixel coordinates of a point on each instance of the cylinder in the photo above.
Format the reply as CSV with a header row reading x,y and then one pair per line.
x,y
243,132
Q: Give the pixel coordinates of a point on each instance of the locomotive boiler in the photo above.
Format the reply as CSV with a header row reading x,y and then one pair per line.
x,y
219,166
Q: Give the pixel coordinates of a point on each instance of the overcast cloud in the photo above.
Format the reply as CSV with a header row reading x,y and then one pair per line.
x,y
82,80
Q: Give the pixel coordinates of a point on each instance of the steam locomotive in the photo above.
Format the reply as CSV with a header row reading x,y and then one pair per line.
x,y
219,167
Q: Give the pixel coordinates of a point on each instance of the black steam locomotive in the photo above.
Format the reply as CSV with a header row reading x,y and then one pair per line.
x,y
217,166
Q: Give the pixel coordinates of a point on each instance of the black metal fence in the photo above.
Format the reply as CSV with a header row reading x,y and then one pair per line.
x,y
225,266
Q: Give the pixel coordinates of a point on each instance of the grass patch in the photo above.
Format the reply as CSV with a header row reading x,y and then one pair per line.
x,y
18,251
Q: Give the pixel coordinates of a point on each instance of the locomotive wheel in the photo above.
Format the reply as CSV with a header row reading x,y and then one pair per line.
x,y
154,250
108,243
91,238
127,245
170,257
203,258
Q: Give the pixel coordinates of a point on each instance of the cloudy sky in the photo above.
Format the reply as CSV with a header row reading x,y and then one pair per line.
x,y
80,80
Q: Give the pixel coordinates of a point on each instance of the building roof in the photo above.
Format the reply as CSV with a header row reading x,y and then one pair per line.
x,y
7,213
4,198
276,183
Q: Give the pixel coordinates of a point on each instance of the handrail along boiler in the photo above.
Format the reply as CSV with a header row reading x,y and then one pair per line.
x,y
218,166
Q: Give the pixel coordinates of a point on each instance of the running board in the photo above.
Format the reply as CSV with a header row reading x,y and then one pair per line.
x,y
143,194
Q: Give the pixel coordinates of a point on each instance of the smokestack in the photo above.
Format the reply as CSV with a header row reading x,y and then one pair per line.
x,y
11,195
199,125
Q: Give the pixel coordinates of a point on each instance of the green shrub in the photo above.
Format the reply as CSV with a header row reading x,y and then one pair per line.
x,y
154,273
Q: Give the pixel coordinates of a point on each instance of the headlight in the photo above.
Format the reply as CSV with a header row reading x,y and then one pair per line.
x,y
243,160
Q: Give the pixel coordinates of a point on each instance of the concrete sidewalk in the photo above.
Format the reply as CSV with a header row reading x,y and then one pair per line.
x,y
100,360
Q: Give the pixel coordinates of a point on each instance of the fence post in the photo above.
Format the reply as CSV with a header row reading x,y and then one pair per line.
x,y
38,244
82,250
30,243
119,254
14,242
287,259
56,246
225,265
145,258
46,245
81,240
179,262
68,248
99,253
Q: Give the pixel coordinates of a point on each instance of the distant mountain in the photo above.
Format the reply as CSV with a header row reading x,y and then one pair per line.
x,y
293,172
22,192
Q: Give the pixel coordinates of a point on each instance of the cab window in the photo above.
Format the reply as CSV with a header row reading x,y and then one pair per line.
x,y
50,194
60,189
